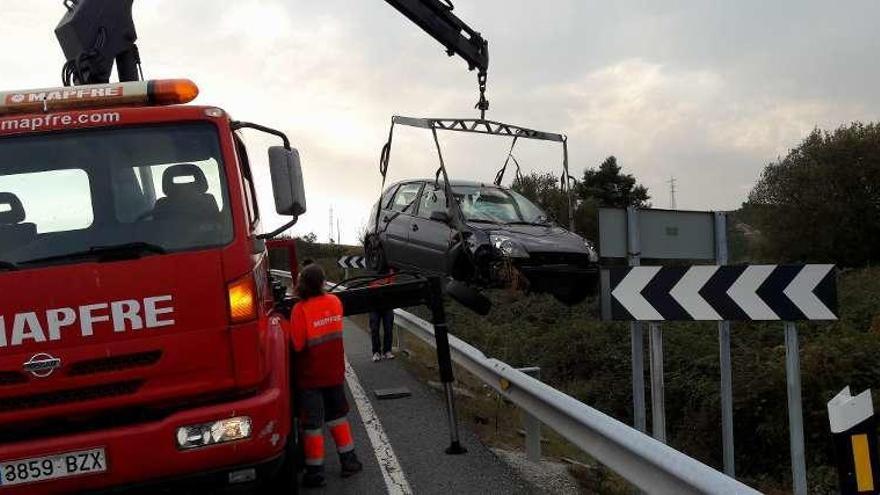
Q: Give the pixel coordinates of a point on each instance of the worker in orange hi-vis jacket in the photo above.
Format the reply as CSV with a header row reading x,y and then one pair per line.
x,y
316,334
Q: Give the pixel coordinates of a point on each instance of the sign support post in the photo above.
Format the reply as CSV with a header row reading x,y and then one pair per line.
x,y
658,394
721,258
795,414
636,328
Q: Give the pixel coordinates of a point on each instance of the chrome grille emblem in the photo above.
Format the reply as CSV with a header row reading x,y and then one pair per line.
x,y
42,365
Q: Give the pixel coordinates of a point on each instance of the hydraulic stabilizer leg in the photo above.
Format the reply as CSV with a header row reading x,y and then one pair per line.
x,y
444,362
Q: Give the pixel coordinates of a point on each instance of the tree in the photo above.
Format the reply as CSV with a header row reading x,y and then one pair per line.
x,y
821,203
310,238
602,187
612,189
545,191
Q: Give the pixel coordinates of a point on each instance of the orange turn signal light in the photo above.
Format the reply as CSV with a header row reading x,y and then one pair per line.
x,y
242,295
172,91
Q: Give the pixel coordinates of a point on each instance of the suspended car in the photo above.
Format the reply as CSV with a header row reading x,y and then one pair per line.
x,y
487,236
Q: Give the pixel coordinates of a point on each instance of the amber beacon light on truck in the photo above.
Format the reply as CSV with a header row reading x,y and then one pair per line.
x,y
136,93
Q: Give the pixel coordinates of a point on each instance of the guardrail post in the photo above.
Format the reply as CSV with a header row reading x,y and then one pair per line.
x,y
531,424
795,414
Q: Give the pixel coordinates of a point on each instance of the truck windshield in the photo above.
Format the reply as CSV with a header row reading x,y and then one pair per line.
x,y
62,195
497,205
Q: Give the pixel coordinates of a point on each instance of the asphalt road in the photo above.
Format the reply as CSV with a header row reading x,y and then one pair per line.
x,y
417,432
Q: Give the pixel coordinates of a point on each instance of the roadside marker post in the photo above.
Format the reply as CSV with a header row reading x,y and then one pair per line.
x,y
854,432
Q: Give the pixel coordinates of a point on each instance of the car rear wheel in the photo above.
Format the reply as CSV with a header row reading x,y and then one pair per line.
x,y
374,251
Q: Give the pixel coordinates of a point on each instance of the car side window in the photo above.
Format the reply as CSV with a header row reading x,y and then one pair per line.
x,y
387,197
433,199
404,200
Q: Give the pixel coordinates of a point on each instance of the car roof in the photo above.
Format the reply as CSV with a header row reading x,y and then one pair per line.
x,y
453,182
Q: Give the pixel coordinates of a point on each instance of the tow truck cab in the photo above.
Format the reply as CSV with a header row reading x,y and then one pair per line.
x,y
138,341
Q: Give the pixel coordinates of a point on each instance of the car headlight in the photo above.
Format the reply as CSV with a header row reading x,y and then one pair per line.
x,y
591,249
508,246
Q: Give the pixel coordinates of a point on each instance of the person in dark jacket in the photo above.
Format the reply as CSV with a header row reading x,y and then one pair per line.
x,y
384,318
316,335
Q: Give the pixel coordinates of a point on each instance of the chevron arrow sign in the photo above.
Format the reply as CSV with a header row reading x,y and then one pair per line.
x,y
735,293
352,262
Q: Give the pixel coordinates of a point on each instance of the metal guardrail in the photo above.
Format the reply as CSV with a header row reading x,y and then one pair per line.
x,y
645,462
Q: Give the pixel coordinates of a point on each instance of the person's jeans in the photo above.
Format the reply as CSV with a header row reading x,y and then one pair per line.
x,y
386,318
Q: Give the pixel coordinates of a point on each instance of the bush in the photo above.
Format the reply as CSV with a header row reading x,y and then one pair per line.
x,y
590,360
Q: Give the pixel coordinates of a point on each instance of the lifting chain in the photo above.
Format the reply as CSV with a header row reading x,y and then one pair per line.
x,y
483,104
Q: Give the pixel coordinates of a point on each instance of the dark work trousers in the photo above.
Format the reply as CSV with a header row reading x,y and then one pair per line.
x,y
320,407
386,318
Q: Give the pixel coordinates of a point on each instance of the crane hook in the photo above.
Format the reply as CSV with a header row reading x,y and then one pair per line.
x,y
483,104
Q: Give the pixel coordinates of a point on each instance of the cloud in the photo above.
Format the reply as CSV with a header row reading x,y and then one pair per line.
x,y
696,124
706,92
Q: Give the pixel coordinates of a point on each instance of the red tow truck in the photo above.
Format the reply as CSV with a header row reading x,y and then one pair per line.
x,y
137,336
141,341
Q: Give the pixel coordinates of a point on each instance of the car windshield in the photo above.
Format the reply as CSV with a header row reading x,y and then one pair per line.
x,y
497,205
154,189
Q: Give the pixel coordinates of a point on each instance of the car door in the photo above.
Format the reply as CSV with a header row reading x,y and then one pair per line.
x,y
429,239
398,224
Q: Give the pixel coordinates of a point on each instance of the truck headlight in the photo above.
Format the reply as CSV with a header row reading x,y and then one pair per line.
x,y
215,432
508,246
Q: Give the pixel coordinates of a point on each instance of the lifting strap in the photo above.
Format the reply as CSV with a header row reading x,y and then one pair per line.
x,y
499,177
384,158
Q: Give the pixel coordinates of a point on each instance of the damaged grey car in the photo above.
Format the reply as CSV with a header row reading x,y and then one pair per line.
x,y
490,237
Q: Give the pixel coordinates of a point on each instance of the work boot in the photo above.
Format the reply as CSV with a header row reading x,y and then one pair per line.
x,y
350,464
314,477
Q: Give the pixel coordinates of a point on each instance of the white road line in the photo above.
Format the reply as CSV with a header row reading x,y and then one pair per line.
x,y
395,480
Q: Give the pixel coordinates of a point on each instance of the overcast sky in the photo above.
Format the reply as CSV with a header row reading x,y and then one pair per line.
x,y
708,92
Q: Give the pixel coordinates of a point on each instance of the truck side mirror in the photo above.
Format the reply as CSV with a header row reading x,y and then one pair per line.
x,y
287,181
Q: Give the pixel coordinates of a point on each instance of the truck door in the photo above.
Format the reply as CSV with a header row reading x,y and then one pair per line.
x,y
429,239
398,218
